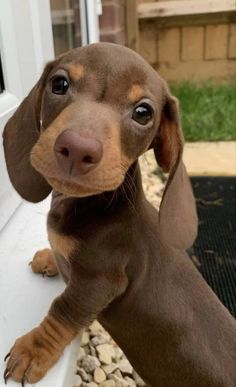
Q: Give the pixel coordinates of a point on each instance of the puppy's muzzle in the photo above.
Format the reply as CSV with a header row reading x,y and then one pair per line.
x,y
75,154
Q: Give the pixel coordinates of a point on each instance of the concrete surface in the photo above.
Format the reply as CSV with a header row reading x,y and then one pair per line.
x,y
211,158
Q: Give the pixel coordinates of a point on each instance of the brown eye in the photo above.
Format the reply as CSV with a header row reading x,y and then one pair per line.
x,y
60,85
142,114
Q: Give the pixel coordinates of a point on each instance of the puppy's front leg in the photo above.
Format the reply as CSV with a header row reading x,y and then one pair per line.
x,y
86,295
34,354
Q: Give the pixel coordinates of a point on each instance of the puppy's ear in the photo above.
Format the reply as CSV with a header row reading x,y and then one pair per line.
x,y
20,134
178,217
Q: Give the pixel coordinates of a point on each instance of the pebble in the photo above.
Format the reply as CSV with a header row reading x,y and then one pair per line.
x,y
100,362
89,363
137,379
99,339
110,368
99,375
125,367
85,377
84,339
105,353
81,354
78,381
108,383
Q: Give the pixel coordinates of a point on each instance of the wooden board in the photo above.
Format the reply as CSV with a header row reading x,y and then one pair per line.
x,y
163,9
132,25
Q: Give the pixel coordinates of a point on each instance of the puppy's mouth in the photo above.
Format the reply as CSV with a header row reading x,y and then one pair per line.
x,y
78,189
72,188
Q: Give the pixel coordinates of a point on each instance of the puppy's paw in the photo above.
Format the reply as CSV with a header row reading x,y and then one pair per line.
x,y
30,358
44,263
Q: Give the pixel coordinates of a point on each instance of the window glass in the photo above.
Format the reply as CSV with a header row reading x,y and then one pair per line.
x,y
65,25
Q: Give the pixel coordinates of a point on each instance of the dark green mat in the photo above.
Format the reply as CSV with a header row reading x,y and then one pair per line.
x,y
214,251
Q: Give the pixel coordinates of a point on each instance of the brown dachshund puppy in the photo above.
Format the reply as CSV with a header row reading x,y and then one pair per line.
x,y
80,131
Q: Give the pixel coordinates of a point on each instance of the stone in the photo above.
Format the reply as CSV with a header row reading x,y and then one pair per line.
x,y
110,368
130,381
118,353
138,380
85,377
118,373
99,339
78,381
108,383
105,353
125,367
96,328
92,350
119,382
89,363
99,375
91,384
81,354
84,339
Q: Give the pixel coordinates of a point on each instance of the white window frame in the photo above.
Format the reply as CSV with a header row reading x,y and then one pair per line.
x,y
89,11
26,44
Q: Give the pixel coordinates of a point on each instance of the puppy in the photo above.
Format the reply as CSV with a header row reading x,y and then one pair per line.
x,y
80,132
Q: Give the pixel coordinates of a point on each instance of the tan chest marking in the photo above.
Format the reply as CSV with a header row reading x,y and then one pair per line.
x,y
62,244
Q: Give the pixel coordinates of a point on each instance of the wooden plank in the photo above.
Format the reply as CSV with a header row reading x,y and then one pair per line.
x,y
132,25
163,9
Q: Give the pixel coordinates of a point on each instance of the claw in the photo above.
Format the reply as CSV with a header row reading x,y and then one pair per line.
x,y
24,380
5,358
30,263
44,273
6,375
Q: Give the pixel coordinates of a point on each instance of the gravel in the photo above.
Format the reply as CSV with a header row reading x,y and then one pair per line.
x,y
100,361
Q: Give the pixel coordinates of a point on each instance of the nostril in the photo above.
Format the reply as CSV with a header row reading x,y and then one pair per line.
x,y
64,151
88,160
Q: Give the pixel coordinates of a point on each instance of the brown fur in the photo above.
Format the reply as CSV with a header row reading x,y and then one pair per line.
x,y
62,244
44,263
76,72
38,350
136,93
125,263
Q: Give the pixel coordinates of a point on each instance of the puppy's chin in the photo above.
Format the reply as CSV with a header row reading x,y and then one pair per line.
x,y
73,189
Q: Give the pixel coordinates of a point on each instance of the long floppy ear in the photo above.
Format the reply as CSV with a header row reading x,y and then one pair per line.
x,y
20,134
178,217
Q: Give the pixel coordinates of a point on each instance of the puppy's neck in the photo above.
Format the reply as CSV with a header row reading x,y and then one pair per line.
x,y
81,211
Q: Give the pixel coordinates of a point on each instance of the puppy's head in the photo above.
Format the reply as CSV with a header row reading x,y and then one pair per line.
x,y
94,111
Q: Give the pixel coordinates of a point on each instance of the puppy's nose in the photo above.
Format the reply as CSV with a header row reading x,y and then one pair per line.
x,y
75,154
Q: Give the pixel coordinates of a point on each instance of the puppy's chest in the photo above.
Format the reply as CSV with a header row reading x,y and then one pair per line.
x,y
63,245
61,224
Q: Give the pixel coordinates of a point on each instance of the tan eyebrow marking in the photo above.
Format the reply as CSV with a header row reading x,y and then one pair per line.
x,y
76,71
136,93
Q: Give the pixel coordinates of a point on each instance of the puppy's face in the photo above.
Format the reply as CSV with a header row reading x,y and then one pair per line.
x,y
93,112
100,110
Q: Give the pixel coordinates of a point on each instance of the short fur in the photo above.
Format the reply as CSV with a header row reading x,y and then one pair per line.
x,y
124,263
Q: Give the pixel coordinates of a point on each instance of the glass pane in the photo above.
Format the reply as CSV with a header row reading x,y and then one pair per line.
x,y
65,24
1,77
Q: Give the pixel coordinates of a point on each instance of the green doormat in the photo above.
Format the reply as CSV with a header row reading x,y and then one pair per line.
x,y
214,252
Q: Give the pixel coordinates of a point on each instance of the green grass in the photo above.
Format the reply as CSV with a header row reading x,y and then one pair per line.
x,y
208,111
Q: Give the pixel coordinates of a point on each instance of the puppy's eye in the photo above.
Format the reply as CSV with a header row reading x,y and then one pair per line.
x,y
142,114
59,85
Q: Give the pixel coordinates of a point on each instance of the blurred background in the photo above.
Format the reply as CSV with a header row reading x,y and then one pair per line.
x,y
191,43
